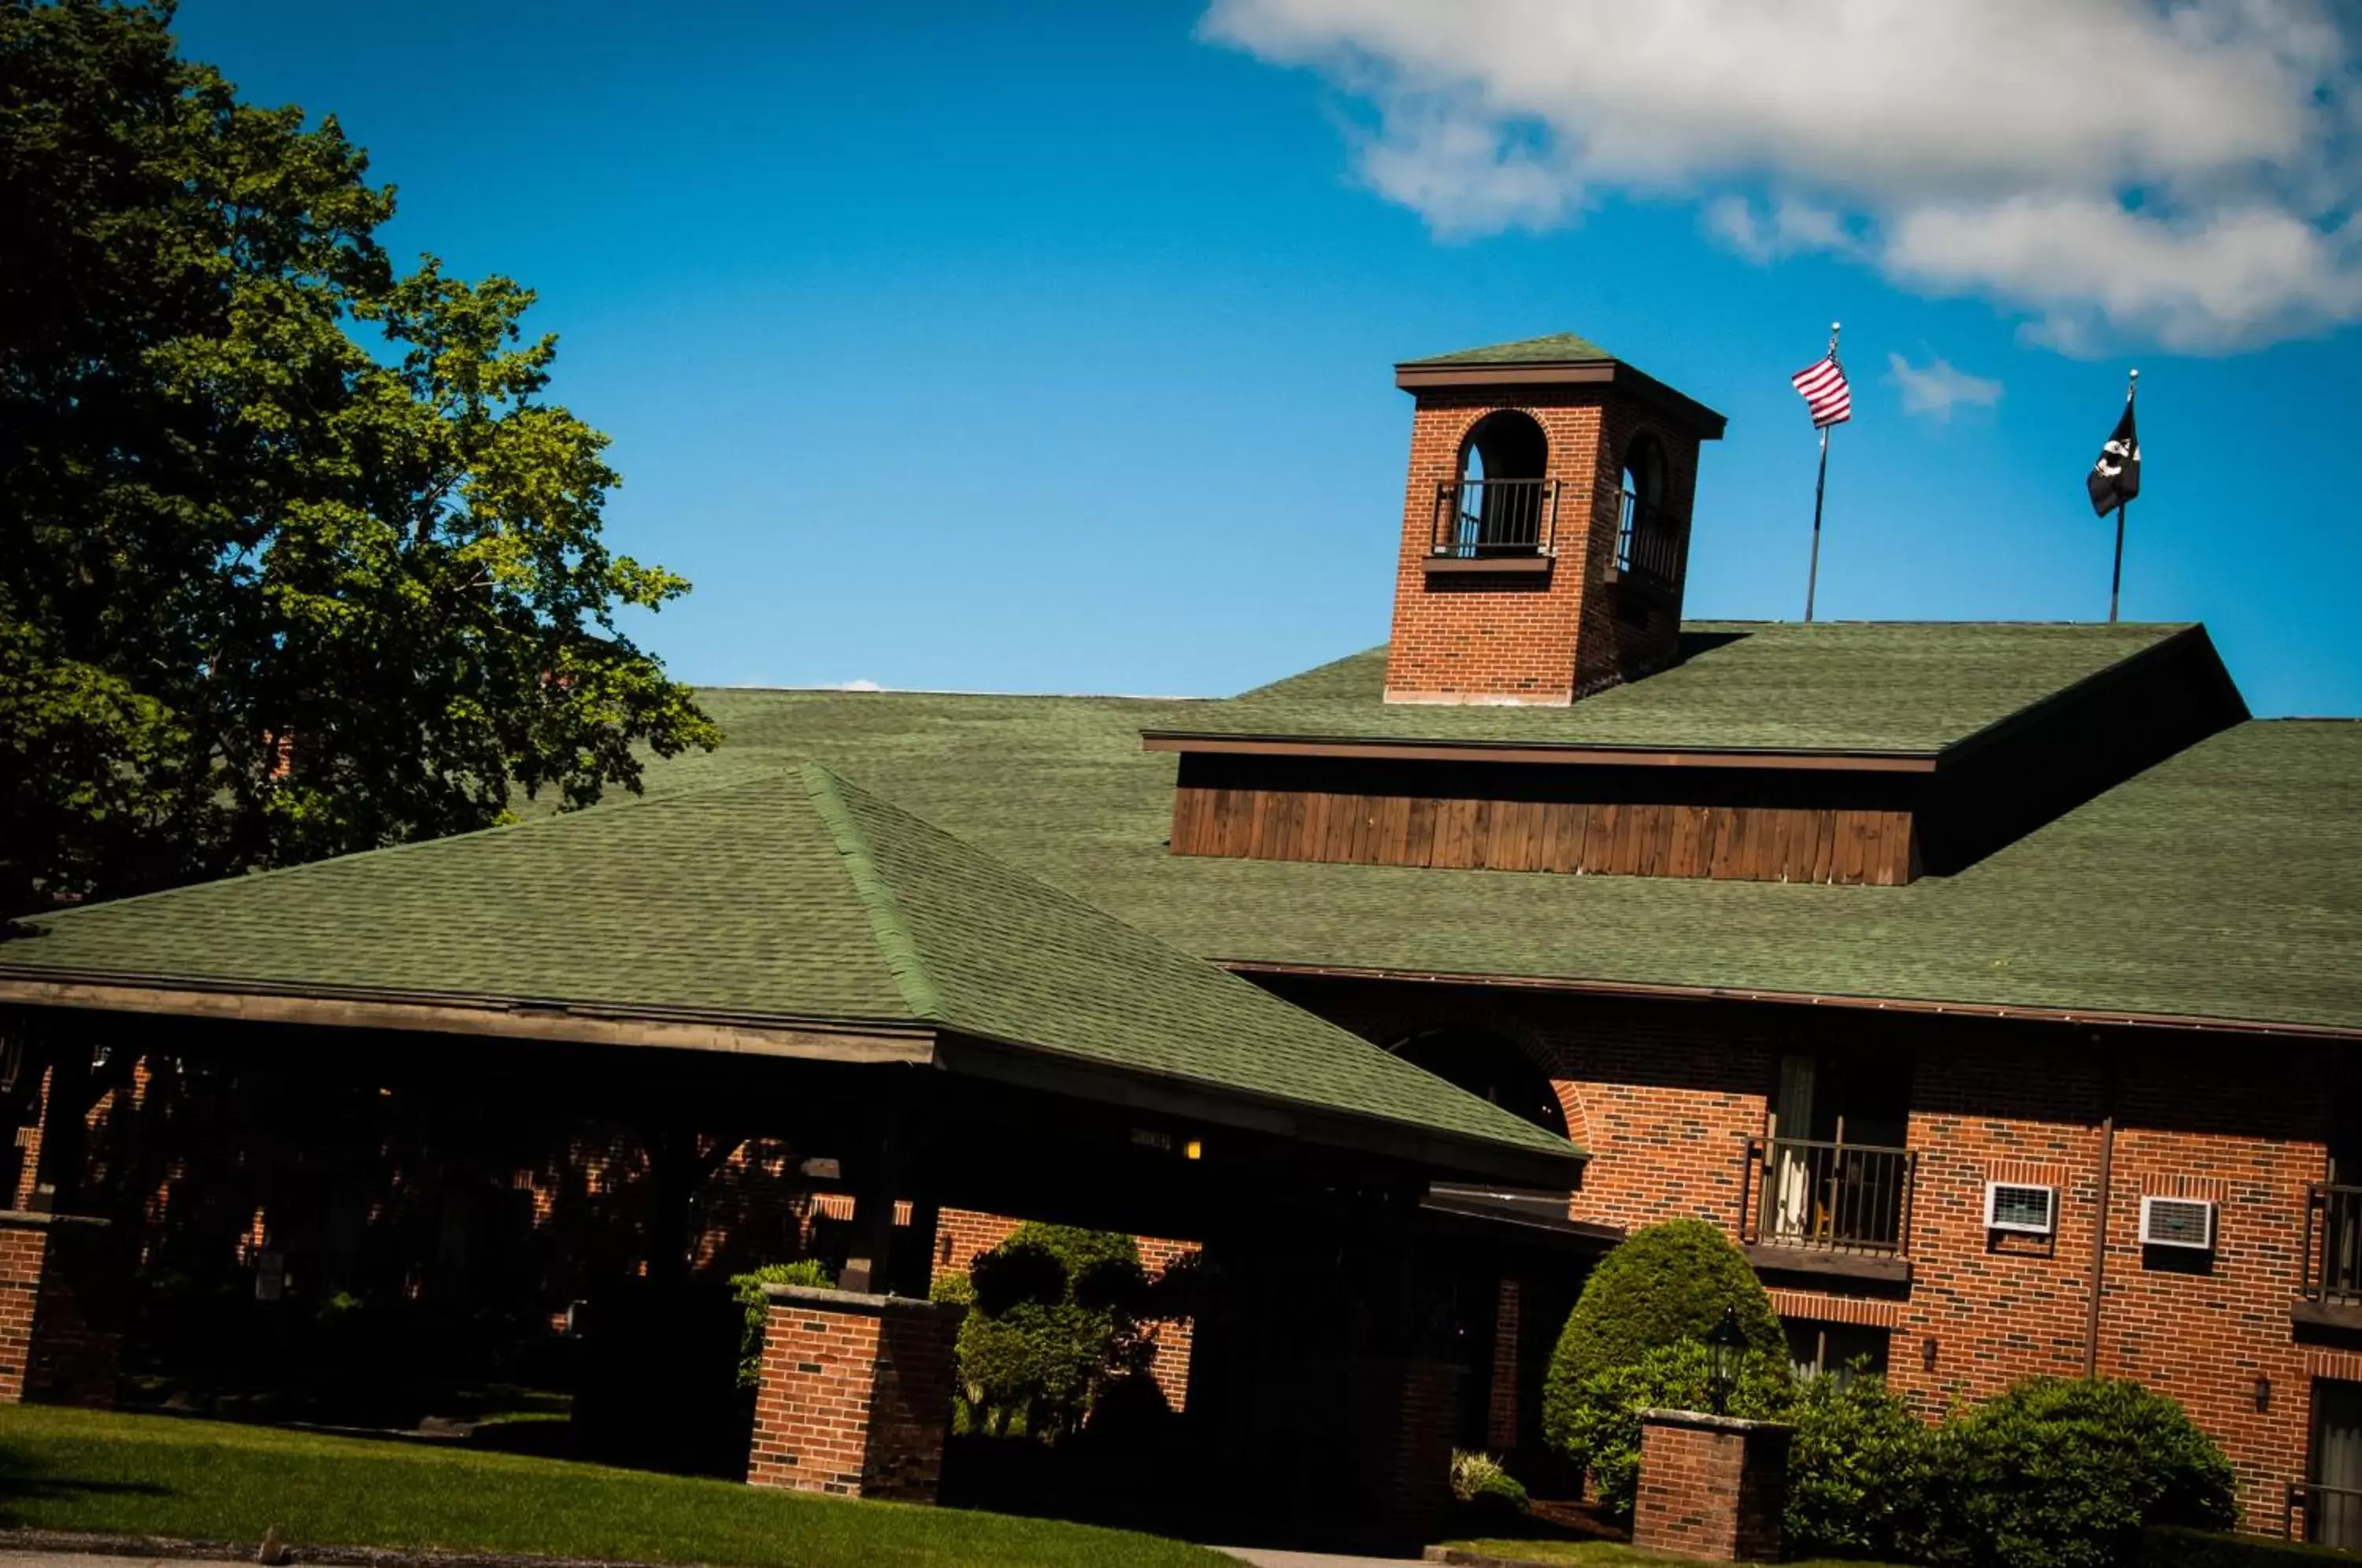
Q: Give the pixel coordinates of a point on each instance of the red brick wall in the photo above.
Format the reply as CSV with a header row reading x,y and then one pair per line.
x,y
23,1249
2242,1124
1501,1399
1400,1420
1531,639
856,1397
1664,1093
1711,1490
60,1289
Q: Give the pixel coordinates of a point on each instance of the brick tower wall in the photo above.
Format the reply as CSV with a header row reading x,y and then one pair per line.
x,y
1537,638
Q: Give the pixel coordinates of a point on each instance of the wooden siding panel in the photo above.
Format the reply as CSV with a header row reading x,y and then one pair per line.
x,y
1756,842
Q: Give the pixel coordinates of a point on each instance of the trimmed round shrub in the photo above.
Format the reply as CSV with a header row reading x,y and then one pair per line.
x,y
1045,1332
1859,1470
2065,1473
1857,1474
748,1290
1661,1286
1599,1419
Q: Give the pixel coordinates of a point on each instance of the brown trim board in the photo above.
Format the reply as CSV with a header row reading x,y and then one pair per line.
x,y
554,1022
1490,751
1413,376
2079,1016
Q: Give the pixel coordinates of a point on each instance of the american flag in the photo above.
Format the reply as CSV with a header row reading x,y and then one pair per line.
x,y
1825,393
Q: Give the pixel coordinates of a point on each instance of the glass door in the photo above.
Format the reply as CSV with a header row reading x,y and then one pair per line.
x,y
2332,1515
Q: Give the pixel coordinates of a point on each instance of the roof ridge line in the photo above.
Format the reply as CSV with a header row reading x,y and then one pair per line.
x,y
886,921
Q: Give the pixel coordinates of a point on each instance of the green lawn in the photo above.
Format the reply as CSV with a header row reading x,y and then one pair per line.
x,y
78,1470
1597,1553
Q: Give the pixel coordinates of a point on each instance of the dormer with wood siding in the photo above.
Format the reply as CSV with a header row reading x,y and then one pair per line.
x,y
1859,754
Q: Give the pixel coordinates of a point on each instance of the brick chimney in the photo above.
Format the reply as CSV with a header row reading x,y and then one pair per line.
x,y
1546,526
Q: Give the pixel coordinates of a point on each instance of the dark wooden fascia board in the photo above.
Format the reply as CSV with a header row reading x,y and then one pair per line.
x,y
1413,378
1377,750
1708,424
1490,1219
2191,639
562,1024
1487,565
1843,1265
2078,1017
2326,1315
1055,1072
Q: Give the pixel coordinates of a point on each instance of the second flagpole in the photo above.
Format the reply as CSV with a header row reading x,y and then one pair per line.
x,y
1820,483
2115,578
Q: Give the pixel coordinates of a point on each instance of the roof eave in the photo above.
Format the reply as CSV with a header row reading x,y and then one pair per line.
x,y
1418,375
860,1041
1926,1006
1379,748
1437,1152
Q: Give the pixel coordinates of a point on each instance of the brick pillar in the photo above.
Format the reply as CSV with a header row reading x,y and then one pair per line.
x,y
61,1291
1501,1407
1400,1420
1712,1487
855,1395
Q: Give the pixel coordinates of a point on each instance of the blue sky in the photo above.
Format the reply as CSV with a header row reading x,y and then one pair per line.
x,y
1047,347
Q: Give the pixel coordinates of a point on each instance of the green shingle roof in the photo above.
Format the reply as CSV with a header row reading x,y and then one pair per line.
x,y
1888,687
780,894
1558,348
2220,884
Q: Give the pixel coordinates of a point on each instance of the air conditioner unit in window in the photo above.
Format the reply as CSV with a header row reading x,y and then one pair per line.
x,y
2177,1222
2016,1206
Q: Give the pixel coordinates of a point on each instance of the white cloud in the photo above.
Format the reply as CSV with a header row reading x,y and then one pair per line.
x,y
1939,387
1784,227
2181,169
850,686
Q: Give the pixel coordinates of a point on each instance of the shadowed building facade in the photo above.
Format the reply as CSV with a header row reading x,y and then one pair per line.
x,y
1996,987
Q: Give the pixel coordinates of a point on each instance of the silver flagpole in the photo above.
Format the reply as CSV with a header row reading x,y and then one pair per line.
x,y
2116,581
1813,574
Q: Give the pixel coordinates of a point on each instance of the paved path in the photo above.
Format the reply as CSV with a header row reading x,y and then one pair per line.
x,y
72,1560
1266,1557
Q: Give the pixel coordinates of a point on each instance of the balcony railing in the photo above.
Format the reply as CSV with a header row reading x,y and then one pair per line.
x,y
1830,1197
2332,1244
1476,519
1648,542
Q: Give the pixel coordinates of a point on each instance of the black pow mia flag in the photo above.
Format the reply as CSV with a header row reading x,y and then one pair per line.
x,y
2115,478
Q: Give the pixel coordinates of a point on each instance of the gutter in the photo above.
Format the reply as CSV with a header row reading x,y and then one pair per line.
x,y
2194,1022
1382,749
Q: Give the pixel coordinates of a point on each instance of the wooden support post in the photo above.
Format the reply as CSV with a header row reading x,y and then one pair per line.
x,y
893,1124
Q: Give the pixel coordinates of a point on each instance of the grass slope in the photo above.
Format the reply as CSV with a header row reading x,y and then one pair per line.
x,y
76,1470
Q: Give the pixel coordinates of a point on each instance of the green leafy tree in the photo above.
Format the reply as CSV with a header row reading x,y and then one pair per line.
x,y
1661,1286
294,558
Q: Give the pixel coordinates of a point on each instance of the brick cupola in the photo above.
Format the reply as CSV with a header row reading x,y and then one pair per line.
x,y
1546,526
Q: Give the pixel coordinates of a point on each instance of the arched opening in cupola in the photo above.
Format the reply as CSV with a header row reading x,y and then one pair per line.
x,y
1501,504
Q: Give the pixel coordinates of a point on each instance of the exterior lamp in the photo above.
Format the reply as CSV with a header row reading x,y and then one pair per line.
x,y
1724,1345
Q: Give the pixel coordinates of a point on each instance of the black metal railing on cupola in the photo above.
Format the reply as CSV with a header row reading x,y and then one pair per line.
x,y
1480,519
1648,542
1828,1197
2332,1244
